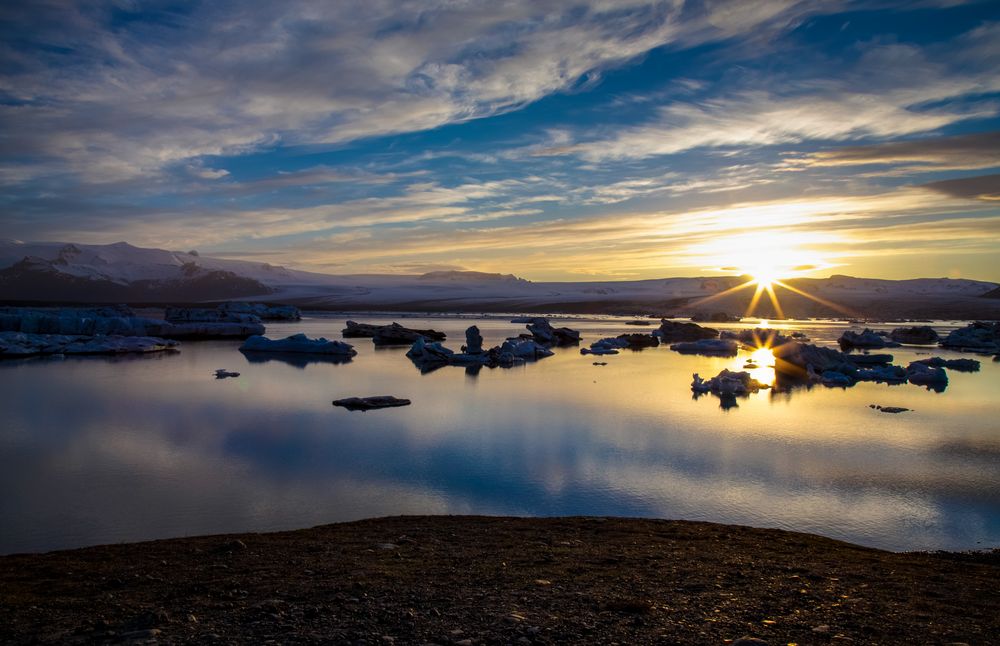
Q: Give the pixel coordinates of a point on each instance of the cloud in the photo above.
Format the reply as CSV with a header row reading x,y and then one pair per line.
x,y
889,90
656,243
203,172
111,91
979,150
755,119
983,187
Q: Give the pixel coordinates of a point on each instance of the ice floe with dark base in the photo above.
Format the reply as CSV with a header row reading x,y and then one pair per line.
x,y
917,335
728,382
298,343
975,337
371,403
119,321
22,344
430,355
867,339
392,334
543,332
670,331
960,365
708,347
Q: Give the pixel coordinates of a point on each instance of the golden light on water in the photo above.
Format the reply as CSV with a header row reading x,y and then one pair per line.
x,y
760,365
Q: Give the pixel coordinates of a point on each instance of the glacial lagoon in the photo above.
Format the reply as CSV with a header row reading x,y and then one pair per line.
x,y
96,450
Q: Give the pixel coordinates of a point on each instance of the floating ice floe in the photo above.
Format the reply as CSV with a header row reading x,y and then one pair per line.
x,y
371,403
543,332
392,334
298,343
118,321
917,335
888,409
883,374
639,341
609,345
728,382
867,339
960,365
922,374
670,331
264,311
21,344
869,359
708,347
428,355
975,337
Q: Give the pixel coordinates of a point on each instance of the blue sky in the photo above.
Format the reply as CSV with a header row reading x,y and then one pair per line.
x,y
554,140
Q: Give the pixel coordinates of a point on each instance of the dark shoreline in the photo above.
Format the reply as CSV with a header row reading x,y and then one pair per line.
x,y
496,580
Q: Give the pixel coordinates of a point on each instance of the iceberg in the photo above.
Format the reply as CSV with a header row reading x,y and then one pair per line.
x,y
264,311
975,337
960,365
543,332
883,374
429,355
23,344
708,347
639,341
866,339
370,403
117,321
921,374
674,331
392,334
298,343
609,345
917,335
728,382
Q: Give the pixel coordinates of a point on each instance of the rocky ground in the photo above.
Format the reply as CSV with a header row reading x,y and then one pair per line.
x,y
475,580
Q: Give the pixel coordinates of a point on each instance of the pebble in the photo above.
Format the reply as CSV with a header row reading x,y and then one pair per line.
x,y
749,641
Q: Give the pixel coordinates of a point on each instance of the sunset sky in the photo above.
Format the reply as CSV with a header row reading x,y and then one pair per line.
x,y
554,140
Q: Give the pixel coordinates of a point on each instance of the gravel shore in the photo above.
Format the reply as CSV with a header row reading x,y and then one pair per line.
x,y
484,580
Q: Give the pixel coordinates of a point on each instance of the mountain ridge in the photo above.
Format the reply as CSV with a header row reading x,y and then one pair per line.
x,y
117,272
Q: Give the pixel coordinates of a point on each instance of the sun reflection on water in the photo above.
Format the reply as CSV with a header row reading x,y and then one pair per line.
x,y
760,365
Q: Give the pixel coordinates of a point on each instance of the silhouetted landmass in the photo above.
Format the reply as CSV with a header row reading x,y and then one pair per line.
x,y
31,281
477,580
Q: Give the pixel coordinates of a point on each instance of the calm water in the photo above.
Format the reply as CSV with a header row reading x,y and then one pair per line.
x,y
94,450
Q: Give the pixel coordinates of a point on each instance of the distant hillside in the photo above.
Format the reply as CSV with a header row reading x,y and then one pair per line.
x,y
466,276
120,272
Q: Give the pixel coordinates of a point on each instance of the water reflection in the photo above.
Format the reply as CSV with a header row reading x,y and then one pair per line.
x,y
760,365
137,449
297,359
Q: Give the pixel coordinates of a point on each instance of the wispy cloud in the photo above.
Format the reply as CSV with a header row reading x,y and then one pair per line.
x,y
982,187
963,152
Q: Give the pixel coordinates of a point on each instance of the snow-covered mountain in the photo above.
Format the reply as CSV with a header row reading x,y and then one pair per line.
x,y
50,271
120,272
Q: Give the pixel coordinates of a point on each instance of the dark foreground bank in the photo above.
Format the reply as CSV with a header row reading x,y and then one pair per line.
x,y
475,580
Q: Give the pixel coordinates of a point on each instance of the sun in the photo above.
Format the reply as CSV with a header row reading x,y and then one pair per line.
x,y
770,259
764,276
